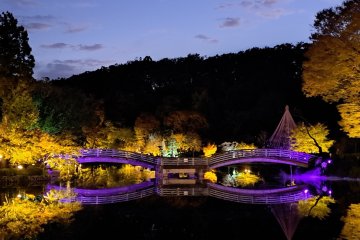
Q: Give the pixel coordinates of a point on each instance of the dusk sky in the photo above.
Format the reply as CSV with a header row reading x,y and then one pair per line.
x,y
72,36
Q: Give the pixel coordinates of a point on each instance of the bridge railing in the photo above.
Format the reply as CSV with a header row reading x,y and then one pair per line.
x,y
119,154
261,152
277,196
184,161
124,197
216,159
182,191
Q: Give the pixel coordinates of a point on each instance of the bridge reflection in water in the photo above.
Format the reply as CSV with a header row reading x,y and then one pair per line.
x,y
148,188
194,168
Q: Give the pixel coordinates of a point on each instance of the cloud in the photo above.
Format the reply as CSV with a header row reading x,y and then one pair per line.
x,y
22,3
72,29
55,45
36,26
38,18
206,38
37,22
230,22
80,47
90,47
226,5
66,68
274,13
262,8
259,3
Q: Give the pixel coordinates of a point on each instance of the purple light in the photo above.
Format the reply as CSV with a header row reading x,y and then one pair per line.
x,y
330,192
306,190
329,161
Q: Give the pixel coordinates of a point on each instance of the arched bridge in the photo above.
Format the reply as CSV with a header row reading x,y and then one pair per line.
x,y
116,156
261,155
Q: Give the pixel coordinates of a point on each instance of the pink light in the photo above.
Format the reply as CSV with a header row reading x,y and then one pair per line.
x,y
329,161
330,192
306,190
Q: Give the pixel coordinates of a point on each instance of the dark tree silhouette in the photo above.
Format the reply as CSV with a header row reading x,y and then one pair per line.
x,y
16,61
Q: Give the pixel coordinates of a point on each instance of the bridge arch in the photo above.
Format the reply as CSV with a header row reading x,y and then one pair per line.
x,y
262,155
116,156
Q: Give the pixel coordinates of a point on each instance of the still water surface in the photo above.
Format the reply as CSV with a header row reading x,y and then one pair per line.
x,y
156,217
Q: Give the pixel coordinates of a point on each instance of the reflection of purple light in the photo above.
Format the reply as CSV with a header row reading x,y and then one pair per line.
x,y
329,161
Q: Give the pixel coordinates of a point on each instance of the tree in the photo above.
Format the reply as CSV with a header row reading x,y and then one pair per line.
x,y
209,150
211,176
332,68
145,124
311,139
16,61
19,109
185,121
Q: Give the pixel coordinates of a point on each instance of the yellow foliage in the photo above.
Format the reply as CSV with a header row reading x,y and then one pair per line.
x,y
316,207
246,179
113,177
145,124
26,218
211,176
22,146
243,145
152,145
350,118
209,150
302,142
351,229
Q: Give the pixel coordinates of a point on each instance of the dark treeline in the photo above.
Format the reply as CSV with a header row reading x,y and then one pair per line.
x,y
242,95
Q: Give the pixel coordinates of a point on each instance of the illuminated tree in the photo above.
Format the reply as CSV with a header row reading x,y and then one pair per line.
x,y
209,150
187,142
211,176
243,145
351,228
16,61
350,115
230,146
316,207
333,61
108,136
311,139
185,121
153,145
145,124
19,109
20,146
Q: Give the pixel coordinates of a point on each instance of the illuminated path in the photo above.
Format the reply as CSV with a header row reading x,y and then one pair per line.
x,y
261,155
145,189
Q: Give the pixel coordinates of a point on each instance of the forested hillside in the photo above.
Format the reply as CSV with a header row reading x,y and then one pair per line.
x,y
241,95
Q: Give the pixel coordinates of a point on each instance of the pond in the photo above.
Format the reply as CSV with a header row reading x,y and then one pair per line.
x,y
184,216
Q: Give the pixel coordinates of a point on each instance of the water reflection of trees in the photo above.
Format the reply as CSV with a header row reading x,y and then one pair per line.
x,y
316,207
351,221
289,215
111,176
25,216
240,179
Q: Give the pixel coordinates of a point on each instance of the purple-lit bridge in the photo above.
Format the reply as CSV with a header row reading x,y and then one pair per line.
x,y
145,189
279,156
